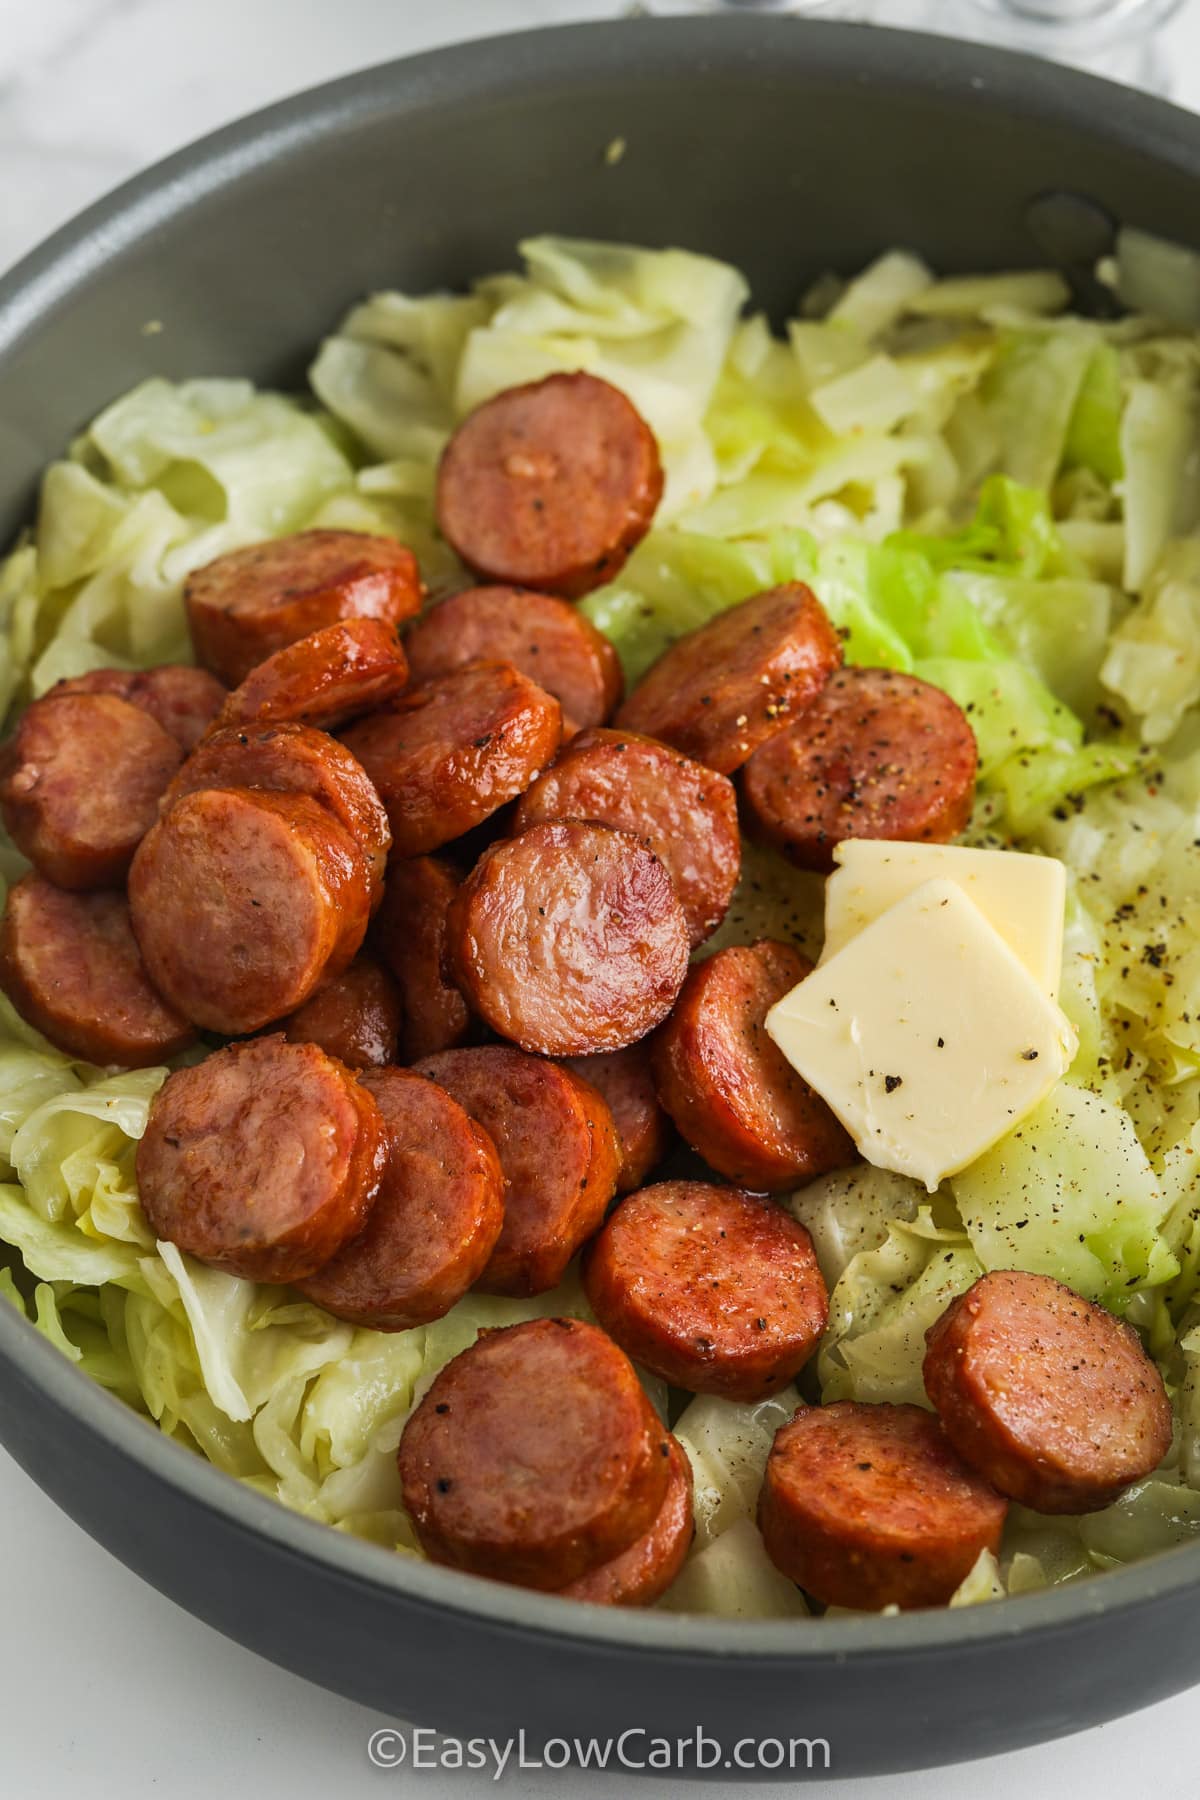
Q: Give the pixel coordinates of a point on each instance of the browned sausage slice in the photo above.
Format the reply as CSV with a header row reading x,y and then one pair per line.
x,y
715,1290
558,1149
1050,1397
71,966
410,936
644,1572
551,485
546,638
686,813
879,754
248,604
730,1090
446,757
869,1506
324,679
243,902
436,1220
720,692
625,1080
569,939
535,1456
183,700
357,1017
262,1160
80,782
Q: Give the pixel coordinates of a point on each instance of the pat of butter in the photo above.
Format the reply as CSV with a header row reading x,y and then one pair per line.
x,y
1024,897
926,1034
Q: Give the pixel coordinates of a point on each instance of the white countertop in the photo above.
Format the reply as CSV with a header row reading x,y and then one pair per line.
x,y
110,1690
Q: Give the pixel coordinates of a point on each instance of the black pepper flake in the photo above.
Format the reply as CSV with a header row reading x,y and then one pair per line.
x,y
481,743
892,1082
1029,1056
760,1324
443,1406
941,1043
444,1484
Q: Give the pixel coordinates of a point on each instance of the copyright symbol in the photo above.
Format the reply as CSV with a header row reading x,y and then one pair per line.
x,y
387,1748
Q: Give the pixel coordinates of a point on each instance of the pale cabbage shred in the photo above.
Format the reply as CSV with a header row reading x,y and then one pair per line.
x,y
981,488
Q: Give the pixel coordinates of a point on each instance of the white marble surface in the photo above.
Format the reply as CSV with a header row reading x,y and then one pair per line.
x,y
109,1689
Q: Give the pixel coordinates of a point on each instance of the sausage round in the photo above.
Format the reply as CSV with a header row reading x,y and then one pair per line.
x,y
1050,1397
183,700
294,759
730,1090
243,902
550,485
323,679
410,935
868,1506
715,1290
446,757
71,966
686,813
263,1160
878,754
569,939
80,782
357,1017
642,1574
535,1457
542,636
250,603
436,1220
558,1149
720,692
624,1079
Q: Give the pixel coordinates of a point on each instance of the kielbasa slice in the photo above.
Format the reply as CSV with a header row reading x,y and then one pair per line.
x,y
878,754
324,679
1049,1396
357,1016
71,966
730,1090
625,1080
447,756
263,1160
569,939
243,902
436,1220
410,935
542,636
250,603
558,1149
686,813
868,1506
183,700
715,1290
535,1457
80,782
550,485
721,691
642,1574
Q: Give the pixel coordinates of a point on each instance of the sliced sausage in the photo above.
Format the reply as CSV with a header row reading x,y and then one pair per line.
x,y
730,1090
446,757
1050,1397
250,603
243,902
357,1017
183,700
71,966
436,1220
720,692
569,939
879,754
868,1506
410,935
263,1160
535,1457
558,1149
715,1290
551,485
546,638
686,813
80,782
625,1080
324,679
642,1574
294,759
